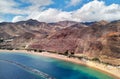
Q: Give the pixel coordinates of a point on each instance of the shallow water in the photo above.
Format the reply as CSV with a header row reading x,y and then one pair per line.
x,y
27,66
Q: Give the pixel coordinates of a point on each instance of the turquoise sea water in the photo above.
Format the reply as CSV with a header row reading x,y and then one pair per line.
x,y
27,66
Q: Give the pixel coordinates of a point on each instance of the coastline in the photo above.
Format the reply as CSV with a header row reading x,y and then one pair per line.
x,y
110,70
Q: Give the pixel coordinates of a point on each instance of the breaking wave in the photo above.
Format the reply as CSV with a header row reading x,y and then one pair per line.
x,y
35,71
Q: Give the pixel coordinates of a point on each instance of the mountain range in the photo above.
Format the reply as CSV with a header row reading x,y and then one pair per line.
x,y
92,39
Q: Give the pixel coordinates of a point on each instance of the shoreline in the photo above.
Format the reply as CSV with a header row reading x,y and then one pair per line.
x,y
109,70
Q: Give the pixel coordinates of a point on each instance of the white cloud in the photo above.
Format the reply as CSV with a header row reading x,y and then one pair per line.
x,y
92,11
6,6
12,7
38,2
18,18
41,2
73,3
1,20
97,10
37,5
51,15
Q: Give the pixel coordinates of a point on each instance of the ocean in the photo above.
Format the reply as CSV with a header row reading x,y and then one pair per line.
x,y
28,66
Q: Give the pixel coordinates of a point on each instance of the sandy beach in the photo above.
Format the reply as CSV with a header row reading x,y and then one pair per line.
x,y
113,71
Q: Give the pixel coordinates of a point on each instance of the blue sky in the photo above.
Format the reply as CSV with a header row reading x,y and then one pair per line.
x,y
59,10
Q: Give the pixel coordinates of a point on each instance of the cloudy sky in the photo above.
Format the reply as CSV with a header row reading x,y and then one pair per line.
x,y
59,10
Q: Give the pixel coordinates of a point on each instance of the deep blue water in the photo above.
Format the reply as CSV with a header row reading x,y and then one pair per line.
x,y
21,66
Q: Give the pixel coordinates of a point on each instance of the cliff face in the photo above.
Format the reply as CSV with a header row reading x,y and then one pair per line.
x,y
96,39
